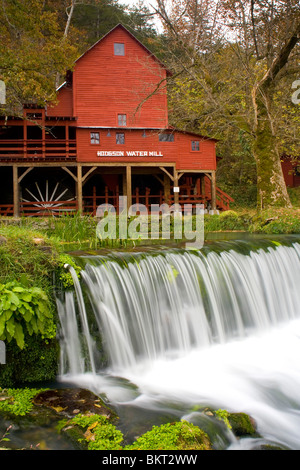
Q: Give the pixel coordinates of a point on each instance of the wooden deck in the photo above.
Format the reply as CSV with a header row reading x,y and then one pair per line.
x,y
37,150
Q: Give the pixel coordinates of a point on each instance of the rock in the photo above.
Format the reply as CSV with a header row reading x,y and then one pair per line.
x,y
242,424
3,240
38,241
71,401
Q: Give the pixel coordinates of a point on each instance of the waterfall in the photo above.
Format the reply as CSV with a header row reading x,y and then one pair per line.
x,y
216,309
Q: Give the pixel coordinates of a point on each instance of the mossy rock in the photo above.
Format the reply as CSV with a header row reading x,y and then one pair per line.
x,y
71,401
92,432
173,436
242,424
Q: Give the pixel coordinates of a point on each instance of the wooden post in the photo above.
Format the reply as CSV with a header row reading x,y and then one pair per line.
x,y
213,191
79,188
166,189
176,194
43,141
124,187
67,139
16,192
202,185
128,186
25,138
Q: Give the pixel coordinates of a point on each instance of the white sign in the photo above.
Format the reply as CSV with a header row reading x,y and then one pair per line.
x,y
2,92
176,189
2,353
129,153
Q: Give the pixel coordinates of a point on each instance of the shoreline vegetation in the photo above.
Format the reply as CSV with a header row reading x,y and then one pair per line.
x,y
33,253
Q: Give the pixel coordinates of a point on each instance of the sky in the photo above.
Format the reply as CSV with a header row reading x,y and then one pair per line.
x,y
147,3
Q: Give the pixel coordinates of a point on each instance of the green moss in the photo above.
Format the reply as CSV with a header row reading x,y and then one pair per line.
x,y
93,432
223,415
63,275
172,436
241,424
37,362
17,402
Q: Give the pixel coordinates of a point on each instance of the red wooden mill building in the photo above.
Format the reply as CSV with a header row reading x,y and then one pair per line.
x,y
107,135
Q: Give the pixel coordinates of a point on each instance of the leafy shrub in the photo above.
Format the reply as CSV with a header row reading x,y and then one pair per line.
x,y
22,309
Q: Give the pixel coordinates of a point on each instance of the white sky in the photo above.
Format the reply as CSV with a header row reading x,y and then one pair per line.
x,y
147,3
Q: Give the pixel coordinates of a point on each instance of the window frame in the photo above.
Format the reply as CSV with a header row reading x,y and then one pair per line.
x,y
93,139
195,143
169,137
116,45
120,119
120,134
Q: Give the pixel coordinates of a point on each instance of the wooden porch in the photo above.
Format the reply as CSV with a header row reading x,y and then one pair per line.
x,y
21,150
172,187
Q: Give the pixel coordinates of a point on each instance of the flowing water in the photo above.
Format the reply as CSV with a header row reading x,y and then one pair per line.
x,y
184,330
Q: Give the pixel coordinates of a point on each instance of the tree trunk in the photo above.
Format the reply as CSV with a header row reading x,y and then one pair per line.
x,y
271,187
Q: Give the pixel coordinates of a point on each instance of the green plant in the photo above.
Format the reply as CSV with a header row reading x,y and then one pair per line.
x,y
4,437
22,308
63,274
223,415
18,401
172,436
99,433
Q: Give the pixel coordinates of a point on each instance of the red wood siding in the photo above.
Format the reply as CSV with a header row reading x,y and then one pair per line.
x,y
178,152
105,85
64,107
292,179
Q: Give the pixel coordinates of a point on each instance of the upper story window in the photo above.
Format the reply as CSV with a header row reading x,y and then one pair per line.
x,y
195,145
120,138
95,138
166,137
122,120
119,48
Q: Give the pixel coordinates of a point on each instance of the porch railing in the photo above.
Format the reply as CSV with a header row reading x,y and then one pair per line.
x,y
22,149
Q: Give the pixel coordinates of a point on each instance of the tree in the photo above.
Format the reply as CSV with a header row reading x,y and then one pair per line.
x,y
235,57
32,53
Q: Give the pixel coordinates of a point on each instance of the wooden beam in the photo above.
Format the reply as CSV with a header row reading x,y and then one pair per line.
x,y
70,172
213,191
176,195
79,188
159,179
128,186
24,174
167,190
88,173
16,192
202,185
169,174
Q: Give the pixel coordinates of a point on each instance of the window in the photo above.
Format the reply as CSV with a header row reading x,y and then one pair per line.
x,y
166,137
120,138
195,145
119,48
95,138
122,120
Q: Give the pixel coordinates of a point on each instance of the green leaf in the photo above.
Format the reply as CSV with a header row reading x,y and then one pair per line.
x,y
19,336
2,325
10,326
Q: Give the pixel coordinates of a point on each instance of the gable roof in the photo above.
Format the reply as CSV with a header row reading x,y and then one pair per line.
x,y
133,37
